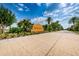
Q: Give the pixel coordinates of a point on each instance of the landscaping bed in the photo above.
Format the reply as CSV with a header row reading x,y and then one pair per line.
x,y
13,35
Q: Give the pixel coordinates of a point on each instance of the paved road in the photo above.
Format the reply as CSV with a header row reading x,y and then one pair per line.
x,y
47,44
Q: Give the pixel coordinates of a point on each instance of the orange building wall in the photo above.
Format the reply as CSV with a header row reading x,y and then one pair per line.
x,y
37,28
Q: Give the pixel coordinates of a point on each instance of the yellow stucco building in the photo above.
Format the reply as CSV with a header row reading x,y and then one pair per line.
x,y
37,28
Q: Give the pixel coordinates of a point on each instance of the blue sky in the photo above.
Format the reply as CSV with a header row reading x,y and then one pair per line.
x,y
38,12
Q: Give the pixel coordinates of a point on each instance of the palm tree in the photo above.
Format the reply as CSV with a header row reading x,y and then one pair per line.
x,y
49,28
72,20
49,19
75,21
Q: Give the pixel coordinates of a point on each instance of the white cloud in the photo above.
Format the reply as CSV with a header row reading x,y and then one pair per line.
x,y
46,13
39,20
48,4
20,9
72,4
23,9
39,4
70,10
62,5
53,14
16,6
20,4
64,12
26,8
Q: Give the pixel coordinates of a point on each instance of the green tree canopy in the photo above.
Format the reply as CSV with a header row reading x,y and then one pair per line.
x,y
6,17
56,26
73,20
25,25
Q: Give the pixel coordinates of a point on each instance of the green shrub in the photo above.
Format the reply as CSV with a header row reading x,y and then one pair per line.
x,y
49,28
8,35
24,33
28,33
15,30
3,36
21,34
12,35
